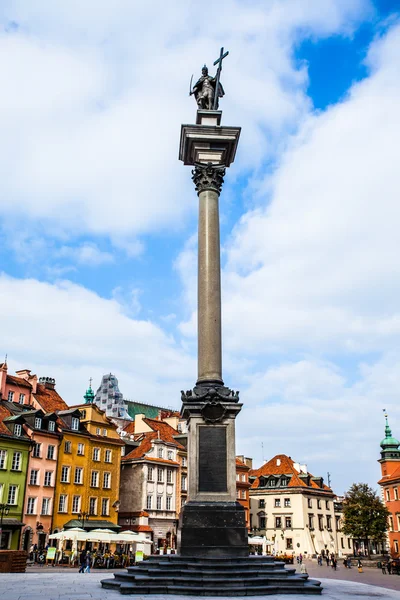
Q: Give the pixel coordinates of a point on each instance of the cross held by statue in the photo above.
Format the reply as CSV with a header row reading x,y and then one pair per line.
x,y
219,63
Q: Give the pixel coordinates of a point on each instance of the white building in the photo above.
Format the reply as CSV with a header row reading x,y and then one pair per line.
x,y
109,398
294,510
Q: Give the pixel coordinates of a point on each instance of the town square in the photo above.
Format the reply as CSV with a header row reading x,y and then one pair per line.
x,y
199,325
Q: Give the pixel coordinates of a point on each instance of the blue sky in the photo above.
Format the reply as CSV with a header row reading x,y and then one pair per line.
x,y
98,218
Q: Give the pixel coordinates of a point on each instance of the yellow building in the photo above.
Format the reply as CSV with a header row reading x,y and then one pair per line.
x,y
88,472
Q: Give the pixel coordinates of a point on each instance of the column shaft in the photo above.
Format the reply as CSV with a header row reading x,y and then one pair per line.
x,y
209,289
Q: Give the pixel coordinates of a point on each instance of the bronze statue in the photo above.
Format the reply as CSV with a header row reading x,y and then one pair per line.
x,y
208,90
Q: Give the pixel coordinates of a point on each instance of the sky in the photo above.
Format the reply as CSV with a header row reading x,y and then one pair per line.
x,y
98,218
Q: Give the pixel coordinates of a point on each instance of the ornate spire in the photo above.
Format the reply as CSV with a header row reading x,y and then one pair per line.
x,y
89,396
390,445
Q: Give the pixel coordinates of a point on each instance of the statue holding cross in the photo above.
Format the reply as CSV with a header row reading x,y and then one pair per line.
x,y
208,90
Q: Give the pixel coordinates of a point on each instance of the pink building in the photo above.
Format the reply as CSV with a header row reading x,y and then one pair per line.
x,y
32,403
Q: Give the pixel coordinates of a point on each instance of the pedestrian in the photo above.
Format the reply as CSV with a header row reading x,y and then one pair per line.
x,y
301,558
319,560
298,559
334,563
389,566
327,560
359,566
303,569
345,563
82,561
88,557
383,566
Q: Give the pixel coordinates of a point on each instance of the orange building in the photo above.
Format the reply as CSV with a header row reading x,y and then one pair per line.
x,y
243,466
390,484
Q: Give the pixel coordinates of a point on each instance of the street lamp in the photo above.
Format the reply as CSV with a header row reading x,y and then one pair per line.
x,y
4,510
83,516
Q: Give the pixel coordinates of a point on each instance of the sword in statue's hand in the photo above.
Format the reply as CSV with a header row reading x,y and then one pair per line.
x,y
191,92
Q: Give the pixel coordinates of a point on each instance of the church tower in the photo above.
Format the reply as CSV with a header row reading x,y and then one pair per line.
x,y
390,484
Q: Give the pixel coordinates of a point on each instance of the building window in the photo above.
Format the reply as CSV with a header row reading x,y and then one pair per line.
x,y
52,425
396,546
278,522
106,480
62,503
37,450
388,495
38,423
21,398
34,479
98,431
12,495
349,543
92,506
160,475
104,507
238,494
160,452
329,522
169,503
272,483
81,449
170,455
96,454
10,396
327,505
391,528
396,493
309,502
320,522
183,483
261,522
169,475
78,475
243,478
289,544
184,461
94,481
277,502
150,476
149,502
65,474
45,506
75,424
159,502
261,504
122,450
108,456
68,447
342,543
3,459
287,502
105,432
318,503
16,461
17,430
76,504
30,507
284,481
47,478
243,494
288,522
311,521
50,452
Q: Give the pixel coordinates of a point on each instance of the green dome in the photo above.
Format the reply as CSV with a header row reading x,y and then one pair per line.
x,y
89,396
389,441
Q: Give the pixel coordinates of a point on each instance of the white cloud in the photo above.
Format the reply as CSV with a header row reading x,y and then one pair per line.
x,y
70,333
86,254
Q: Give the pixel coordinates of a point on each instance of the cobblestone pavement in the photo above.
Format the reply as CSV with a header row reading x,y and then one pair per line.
x,y
70,585
372,576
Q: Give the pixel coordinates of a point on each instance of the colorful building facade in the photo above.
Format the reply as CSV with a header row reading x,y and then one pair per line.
x,y
390,485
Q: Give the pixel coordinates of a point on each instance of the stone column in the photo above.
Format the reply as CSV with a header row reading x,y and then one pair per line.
x,y
208,180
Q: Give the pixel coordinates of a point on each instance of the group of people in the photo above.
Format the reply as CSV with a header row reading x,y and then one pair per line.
x,y
330,560
386,567
85,561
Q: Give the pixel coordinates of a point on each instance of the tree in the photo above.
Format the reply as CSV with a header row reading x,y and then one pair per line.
x,y
365,517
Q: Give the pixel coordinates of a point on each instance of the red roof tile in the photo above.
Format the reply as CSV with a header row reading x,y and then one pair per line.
x,y
144,447
130,428
49,400
4,413
390,478
285,467
167,432
242,465
18,381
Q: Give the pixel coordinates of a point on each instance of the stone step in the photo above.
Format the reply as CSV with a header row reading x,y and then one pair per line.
x,y
127,589
163,574
210,571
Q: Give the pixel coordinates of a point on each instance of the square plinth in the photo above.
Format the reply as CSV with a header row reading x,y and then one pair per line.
x,y
208,143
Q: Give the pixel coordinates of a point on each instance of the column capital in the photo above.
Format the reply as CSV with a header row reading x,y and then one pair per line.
x,y
208,177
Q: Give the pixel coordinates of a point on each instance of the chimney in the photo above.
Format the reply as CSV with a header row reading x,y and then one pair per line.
x,y
48,382
3,380
24,374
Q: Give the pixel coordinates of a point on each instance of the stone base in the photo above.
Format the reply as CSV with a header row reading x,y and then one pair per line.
x,y
213,529
13,561
250,576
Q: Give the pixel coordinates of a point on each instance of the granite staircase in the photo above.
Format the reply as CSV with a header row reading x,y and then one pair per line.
x,y
182,575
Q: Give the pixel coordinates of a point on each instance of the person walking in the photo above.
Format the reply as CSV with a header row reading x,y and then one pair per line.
x,y
359,566
389,566
82,561
88,560
383,566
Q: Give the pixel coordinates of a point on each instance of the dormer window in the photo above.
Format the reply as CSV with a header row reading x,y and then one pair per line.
x,y
52,426
10,396
272,483
284,481
75,424
38,423
17,429
160,452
